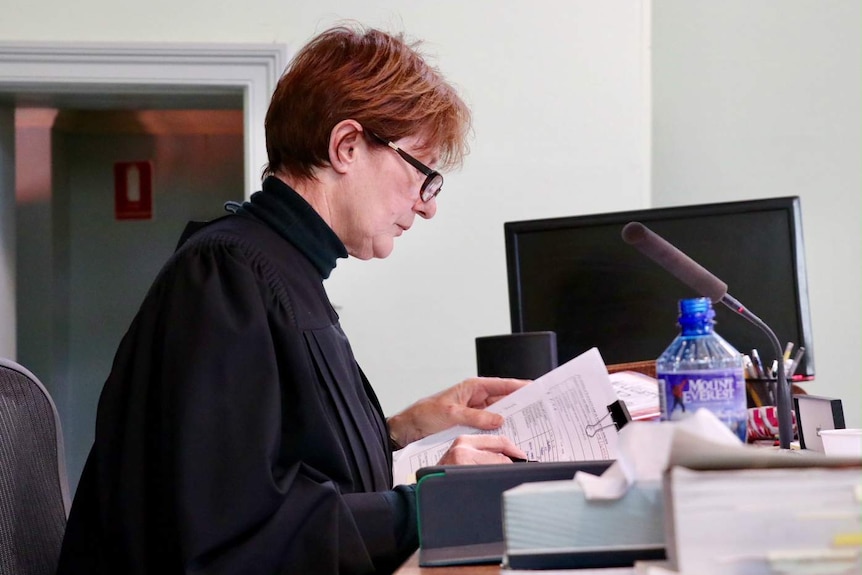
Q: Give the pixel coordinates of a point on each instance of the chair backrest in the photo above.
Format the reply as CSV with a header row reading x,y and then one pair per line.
x,y
34,492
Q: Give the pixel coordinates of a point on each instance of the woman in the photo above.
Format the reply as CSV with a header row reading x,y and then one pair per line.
x,y
236,433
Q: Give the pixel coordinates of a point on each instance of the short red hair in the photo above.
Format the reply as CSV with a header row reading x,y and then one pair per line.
x,y
370,76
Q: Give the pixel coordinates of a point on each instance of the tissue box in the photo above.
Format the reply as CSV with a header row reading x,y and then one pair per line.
x,y
551,525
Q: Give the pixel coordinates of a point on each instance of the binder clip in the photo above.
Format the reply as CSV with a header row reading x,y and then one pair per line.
x,y
619,414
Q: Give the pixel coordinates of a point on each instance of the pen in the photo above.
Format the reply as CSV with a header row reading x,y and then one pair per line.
x,y
788,349
748,367
758,366
800,351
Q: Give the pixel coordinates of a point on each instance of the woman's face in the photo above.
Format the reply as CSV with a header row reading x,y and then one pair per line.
x,y
384,199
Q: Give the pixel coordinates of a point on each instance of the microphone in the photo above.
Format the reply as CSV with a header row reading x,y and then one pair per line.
x,y
706,284
670,258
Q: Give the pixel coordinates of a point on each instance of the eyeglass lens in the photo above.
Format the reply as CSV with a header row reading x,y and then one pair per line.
x,y
432,186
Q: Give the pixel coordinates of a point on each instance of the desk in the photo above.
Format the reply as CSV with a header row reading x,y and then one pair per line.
x,y
411,567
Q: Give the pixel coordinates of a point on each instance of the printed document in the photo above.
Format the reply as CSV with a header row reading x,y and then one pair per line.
x,y
640,393
561,416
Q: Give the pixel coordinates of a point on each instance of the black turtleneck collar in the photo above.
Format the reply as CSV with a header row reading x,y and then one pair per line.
x,y
285,211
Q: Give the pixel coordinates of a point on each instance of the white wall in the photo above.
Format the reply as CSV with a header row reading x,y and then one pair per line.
x,y
752,99
762,99
560,96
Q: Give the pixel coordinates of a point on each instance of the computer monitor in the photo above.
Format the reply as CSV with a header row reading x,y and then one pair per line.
x,y
577,277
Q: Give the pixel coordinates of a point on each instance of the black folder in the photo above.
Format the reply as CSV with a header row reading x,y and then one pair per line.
x,y
460,507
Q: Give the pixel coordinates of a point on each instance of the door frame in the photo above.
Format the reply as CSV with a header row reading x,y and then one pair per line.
x,y
150,68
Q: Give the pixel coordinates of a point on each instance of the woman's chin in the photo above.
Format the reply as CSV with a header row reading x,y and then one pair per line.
x,y
382,247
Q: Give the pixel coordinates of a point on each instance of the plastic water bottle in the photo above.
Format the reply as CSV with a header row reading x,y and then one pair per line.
x,y
700,369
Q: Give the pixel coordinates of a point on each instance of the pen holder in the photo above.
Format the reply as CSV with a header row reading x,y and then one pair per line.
x,y
761,391
762,415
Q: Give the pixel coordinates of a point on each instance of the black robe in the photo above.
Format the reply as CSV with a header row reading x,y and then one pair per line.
x,y
236,432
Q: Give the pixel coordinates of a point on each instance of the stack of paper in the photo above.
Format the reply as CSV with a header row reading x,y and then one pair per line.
x,y
764,521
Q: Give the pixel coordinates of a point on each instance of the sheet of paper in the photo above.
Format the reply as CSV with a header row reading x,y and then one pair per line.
x,y
562,416
639,391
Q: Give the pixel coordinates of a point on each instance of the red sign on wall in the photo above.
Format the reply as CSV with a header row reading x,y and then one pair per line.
x,y
133,190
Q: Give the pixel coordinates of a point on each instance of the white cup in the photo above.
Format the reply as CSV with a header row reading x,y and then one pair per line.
x,y
842,442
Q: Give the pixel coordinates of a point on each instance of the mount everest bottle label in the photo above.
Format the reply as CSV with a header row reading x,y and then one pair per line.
x,y
721,391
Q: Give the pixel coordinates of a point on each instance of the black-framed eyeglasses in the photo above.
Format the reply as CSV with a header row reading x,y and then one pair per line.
x,y
433,179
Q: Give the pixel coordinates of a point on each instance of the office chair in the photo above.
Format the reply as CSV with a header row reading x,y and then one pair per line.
x,y
34,492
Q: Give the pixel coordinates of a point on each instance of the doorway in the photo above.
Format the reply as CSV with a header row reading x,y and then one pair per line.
x,y
75,273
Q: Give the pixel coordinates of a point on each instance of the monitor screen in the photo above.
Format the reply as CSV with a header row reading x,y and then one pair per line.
x,y
576,276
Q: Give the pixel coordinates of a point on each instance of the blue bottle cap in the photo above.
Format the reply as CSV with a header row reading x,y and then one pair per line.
x,y
696,312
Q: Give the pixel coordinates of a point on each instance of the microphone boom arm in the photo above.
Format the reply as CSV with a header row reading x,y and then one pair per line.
x,y
785,416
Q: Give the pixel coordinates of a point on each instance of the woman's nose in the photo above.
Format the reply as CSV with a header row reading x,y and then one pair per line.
x,y
427,209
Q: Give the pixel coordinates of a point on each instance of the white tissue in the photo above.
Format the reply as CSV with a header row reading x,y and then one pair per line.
x,y
645,448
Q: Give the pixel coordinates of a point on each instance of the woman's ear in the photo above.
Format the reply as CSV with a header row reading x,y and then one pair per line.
x,y
346,144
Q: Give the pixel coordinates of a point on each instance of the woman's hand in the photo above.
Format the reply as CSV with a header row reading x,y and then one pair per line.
x,y
462,404
476,449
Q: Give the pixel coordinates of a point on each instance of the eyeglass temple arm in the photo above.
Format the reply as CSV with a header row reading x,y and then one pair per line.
x,y
407,157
